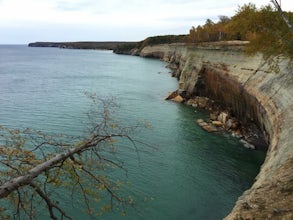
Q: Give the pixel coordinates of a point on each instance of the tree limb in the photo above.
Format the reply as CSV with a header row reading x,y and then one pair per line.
x,y
49,203
13,184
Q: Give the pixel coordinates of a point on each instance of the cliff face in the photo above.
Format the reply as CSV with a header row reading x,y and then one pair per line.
x,y
255,95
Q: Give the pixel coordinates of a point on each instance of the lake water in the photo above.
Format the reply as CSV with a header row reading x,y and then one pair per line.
x,y
188,174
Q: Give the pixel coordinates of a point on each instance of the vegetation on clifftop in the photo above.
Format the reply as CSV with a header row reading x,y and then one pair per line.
x,y
150,41
118,47
267,32
264,28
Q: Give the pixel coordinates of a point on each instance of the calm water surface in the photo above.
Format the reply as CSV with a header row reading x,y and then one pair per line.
x,y
189,174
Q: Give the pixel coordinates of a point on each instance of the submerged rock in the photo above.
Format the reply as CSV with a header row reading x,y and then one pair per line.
x,y
217,123
209,127
213,116
201,122
223,117
246,144
232,124
254,136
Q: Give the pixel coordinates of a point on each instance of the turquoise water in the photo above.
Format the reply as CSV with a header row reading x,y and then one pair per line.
x,y
187,174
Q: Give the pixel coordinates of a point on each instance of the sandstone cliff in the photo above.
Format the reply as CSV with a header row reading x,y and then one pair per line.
x,y
255,95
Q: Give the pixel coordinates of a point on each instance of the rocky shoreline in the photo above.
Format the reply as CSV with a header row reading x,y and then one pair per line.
x,y
250,94
221,119
247,90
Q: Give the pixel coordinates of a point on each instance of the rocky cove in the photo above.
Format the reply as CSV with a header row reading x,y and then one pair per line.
x,y
238,88
249,90
222,119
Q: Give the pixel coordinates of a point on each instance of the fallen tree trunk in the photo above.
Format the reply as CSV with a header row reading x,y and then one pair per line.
x,y
13,184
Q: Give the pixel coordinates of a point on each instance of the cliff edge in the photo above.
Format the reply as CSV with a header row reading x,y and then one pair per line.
x,y
254,93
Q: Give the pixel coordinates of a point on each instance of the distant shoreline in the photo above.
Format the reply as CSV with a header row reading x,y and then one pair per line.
x,y
119,47
90,45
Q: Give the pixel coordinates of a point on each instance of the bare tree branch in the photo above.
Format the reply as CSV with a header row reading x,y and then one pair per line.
x,y
51,205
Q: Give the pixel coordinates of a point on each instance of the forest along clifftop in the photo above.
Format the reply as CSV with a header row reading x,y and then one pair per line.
x,y
254,93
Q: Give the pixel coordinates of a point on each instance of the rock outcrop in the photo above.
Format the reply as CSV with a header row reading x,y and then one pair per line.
x,y
255,95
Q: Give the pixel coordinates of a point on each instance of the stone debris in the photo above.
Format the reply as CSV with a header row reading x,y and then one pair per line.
x,y
271,110
218,123
246,144
178,99
209,127
223,117
222,120
171,95
198,101
175,97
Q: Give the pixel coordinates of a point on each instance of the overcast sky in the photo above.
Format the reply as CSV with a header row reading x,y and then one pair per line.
x,y
24,21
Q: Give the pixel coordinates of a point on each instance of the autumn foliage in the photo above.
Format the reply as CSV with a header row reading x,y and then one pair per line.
x,y
263,27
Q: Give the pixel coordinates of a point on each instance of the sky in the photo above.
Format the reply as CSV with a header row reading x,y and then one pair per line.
x,y
24,21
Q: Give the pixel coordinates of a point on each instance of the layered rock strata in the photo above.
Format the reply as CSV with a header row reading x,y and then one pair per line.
x,y
254,94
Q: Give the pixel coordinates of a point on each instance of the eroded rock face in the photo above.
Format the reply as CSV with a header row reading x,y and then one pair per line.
x,y
253,94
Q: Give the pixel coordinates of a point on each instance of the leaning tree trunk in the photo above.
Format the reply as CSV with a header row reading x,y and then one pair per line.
x,y
278,7
26,179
